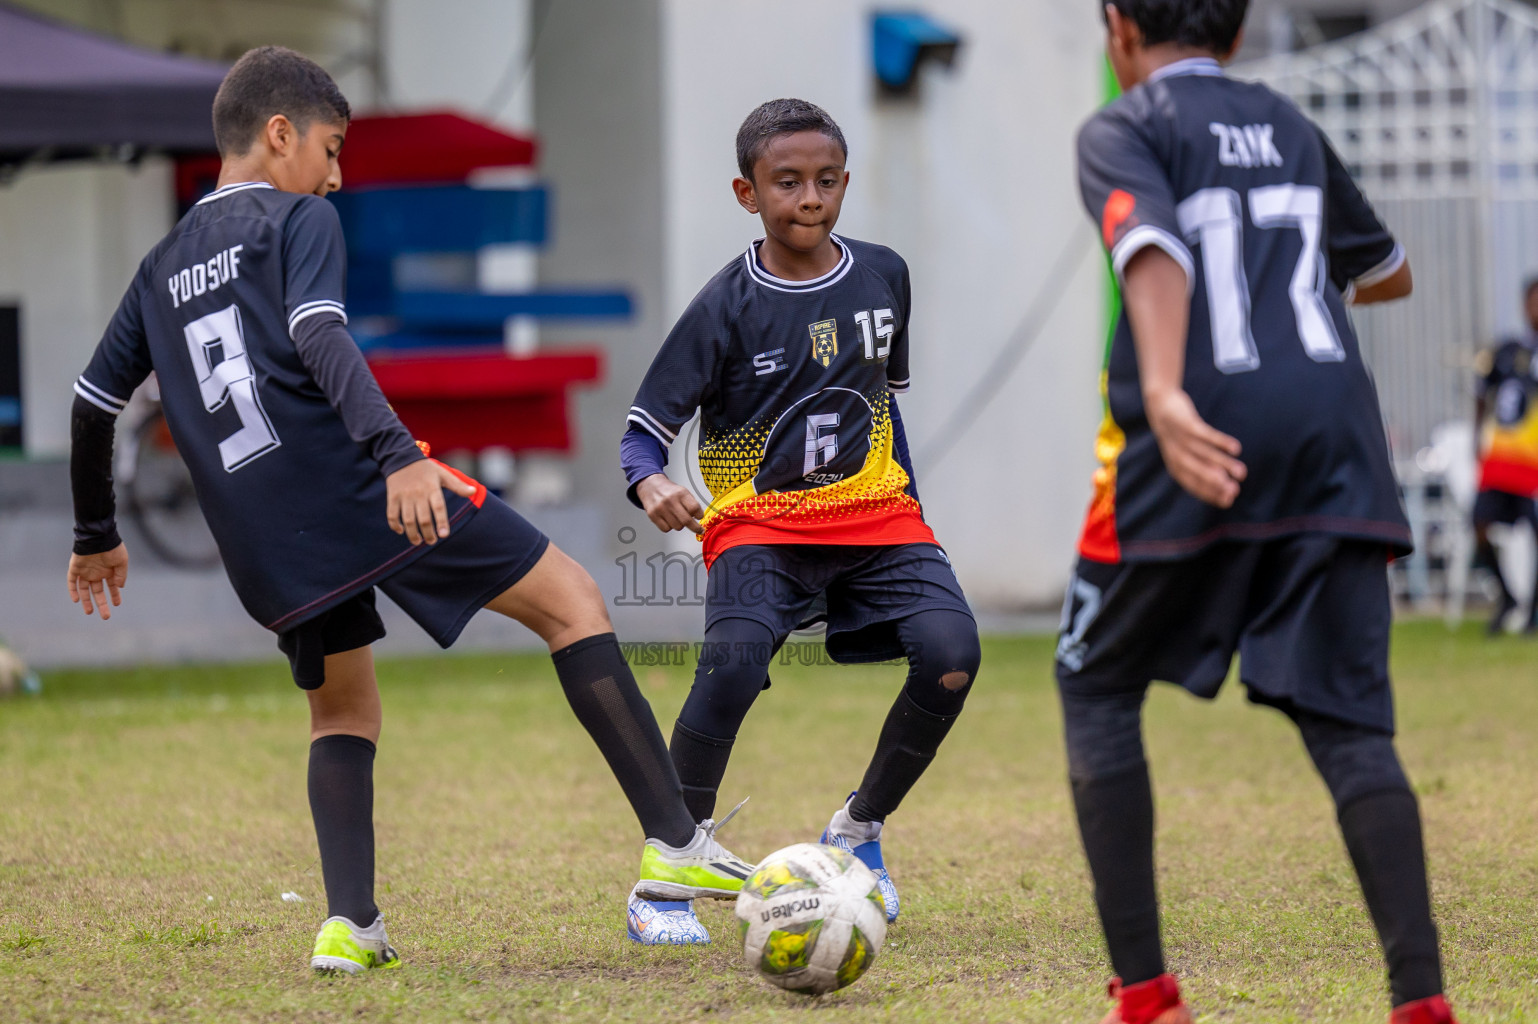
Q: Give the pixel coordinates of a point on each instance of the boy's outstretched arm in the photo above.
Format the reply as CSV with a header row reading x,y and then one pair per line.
x,y
1202,460
98,565
668,505
414,484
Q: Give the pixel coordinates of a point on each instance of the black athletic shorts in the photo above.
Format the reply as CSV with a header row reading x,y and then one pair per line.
x,y
1502,507
441,590
1308,616
860,592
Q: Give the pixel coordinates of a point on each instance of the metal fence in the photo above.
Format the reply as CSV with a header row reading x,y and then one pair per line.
x,y
1436,113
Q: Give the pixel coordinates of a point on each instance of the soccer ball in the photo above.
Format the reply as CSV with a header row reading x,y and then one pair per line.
x,y
812,918
14,675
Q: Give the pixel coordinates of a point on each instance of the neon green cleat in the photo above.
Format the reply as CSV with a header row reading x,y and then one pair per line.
x,y
343,946
703,869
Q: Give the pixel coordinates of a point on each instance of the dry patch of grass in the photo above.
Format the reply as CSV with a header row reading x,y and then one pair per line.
x,y
150,822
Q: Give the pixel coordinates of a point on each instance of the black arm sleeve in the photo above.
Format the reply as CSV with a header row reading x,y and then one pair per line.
x,y
90,478
333,359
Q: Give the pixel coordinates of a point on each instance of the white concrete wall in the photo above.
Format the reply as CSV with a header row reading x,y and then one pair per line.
x,y
71,239
973,183
468,55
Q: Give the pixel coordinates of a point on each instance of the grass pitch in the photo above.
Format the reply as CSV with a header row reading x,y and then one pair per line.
x,y
150,822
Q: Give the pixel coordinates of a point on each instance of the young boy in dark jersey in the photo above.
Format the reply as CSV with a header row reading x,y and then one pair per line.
x,y
1506,436
316,493
792,355
1245,503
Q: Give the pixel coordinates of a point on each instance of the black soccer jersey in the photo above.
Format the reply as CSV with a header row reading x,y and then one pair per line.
x,y
793,382
1245,193
296,505
1508,382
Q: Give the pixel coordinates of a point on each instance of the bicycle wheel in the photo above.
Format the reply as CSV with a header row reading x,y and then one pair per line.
x,y
162,503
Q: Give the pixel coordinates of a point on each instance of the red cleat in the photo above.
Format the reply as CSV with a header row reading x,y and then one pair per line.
x,y
1158,1002
1424,1011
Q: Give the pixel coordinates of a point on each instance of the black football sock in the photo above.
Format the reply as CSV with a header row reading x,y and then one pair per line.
x,y
909,740
342,804
943,658
733,669
1116,822
1383,835
701,762
602,691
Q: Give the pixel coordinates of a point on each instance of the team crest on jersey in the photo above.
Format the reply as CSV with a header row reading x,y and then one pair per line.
x,y
824,341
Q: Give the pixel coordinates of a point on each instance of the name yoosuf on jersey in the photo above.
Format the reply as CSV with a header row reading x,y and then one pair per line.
x,y
296,505
1238,187
799,439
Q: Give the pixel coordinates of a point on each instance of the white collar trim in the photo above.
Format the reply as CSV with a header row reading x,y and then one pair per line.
x,y
239,186
768,280
1205,66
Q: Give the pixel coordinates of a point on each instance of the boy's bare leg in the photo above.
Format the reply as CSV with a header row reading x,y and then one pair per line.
x,y
348,703
345,719
559,601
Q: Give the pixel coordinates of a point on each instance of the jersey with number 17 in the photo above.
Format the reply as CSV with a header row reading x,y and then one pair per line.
x,y
1234,183
296,505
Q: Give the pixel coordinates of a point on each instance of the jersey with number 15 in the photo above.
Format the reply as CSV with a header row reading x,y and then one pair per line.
x,y
296,505
793,382
1237,186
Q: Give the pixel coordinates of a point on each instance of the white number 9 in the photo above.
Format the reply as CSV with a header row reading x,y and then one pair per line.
x,y
217,345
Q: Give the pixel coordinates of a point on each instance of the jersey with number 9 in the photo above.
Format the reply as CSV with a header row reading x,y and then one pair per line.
x,y
296,505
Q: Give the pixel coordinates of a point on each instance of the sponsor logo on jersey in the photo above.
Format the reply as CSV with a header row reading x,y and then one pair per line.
x,y
1250,146
824,341
767,362
1118,217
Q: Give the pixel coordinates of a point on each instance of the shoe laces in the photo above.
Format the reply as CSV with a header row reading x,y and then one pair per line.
x,y
710,826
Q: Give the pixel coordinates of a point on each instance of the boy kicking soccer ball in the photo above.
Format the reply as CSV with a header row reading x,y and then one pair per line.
x,y
1246,502
316,493
792,354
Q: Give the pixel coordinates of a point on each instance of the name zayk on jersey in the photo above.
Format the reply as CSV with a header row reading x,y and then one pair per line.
x,y
1237,186
1508,381
793,380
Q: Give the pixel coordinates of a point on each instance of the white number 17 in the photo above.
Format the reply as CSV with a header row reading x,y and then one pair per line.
x,y
1214,220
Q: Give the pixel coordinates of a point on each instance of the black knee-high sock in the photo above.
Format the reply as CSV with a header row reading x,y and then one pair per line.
x,y
732,671
943,658
910,737
342,804
602,691
701,762
1383,835
1116,821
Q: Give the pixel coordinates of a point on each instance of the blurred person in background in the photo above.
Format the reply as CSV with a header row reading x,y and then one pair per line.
x,y
1506,433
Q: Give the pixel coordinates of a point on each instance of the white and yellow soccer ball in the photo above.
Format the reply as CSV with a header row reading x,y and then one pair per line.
x,y
812,918
14,675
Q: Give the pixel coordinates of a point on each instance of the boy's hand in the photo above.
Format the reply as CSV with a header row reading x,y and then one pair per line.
x,y
1202,460
92,578
669,505
414,500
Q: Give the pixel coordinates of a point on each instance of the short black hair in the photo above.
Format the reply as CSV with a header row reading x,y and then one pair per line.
x,y
1205,24
273,80
781,117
